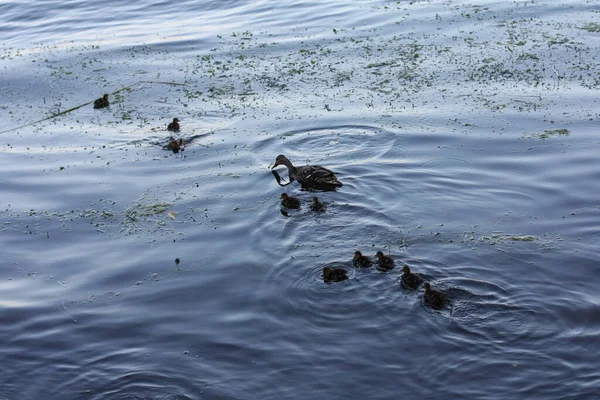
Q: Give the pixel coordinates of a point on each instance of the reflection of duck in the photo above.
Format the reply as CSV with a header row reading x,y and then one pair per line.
x,y
175,145
289,201
412,281
361,261
101,102
385,263
433,298
317,205
309,176
174,126
334,274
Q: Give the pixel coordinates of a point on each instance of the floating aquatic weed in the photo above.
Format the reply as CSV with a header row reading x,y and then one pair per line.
x,y
591,27
548,133
137,211
527,238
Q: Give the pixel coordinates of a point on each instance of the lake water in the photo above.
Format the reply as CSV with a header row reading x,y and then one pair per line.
x,y
466,137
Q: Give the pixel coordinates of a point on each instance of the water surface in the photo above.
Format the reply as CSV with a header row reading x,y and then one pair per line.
x,y
466,138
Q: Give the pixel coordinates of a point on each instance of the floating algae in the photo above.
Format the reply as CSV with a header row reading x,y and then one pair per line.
x,y
137,211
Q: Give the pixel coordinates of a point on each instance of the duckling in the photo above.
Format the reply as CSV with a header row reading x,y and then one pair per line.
x,y
317,205
174,126
334,274
289,201
433,298
309,176
175,145
361,261
385,263
410,280
101,102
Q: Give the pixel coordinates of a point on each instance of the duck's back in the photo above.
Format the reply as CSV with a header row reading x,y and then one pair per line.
x,y
435,299
411,280
315,175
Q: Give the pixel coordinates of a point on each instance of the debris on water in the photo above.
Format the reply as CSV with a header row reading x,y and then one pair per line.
x,y
137,211
527,238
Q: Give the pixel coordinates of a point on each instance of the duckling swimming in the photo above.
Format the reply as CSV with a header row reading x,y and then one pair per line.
x,y
433,298
174,126
361,261
101,102
309,176
289,201
410,280
175,145
334,274
317,206
384,263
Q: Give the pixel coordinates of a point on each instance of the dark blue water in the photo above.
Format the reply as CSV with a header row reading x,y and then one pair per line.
x,y
466,137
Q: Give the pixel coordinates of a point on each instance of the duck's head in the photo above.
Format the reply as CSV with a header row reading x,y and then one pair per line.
x,y
357,255
105,97
327,272
284,196
315,200
175,119
426,286
379,255
281,160
406,270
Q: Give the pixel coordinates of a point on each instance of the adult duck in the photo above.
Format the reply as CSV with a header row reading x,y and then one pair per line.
x,y
334,274
434,298
410,280
174,126
384,263
309,176
289,201
101,102
361,261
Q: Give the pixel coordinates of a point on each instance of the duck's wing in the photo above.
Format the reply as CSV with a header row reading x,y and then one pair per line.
x,y
319,175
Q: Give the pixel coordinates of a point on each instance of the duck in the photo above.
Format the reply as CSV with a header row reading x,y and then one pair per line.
x,y
334,274
361,261
410,280
175,145
289,201
317,205
384,263
101,102
309,176
434,298
174,126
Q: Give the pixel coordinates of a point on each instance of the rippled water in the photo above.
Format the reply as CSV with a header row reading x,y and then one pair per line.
x,y
466,138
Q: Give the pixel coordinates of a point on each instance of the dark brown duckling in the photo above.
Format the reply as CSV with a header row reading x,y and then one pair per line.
x,y
175,145
410,280
434,298
317,205
309,176
174,126
334,274
101,102
289,201
361,261
384,263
